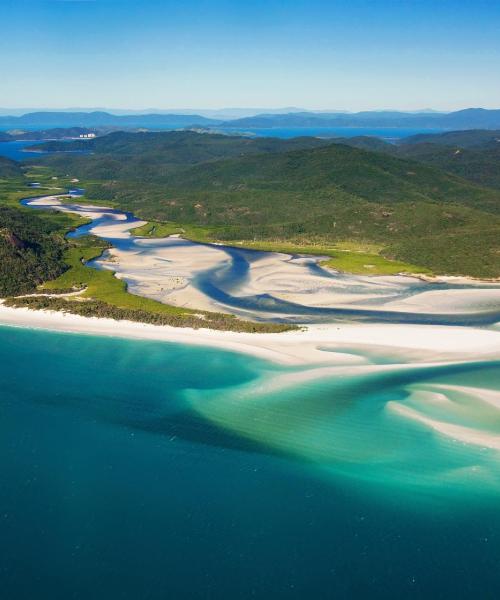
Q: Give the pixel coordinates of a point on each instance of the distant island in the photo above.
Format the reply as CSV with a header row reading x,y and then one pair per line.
x,y
470,118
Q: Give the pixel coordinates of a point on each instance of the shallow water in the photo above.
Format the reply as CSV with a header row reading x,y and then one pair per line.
x,y
148,470
153,470
271,286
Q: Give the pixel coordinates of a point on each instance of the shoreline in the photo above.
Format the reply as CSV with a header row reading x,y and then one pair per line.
x,y
38,201
324,344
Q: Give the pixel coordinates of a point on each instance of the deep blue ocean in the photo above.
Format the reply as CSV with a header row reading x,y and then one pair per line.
x,y
117,483
16,150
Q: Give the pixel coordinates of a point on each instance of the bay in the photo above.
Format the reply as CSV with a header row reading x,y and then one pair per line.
x,y
129,470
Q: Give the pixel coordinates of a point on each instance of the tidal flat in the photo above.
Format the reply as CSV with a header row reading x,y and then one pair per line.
x,y
148,460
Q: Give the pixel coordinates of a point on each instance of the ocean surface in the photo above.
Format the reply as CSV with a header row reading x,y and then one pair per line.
x,y
16,150
130,470
134,469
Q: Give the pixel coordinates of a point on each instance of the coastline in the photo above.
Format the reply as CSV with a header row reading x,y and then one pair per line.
x,y
324,344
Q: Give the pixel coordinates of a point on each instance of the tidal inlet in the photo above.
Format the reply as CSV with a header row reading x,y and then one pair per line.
x,y
394,386
247,354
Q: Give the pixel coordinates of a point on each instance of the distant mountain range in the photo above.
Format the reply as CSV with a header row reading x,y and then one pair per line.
x,y
103,119
58,133
470,118
212,113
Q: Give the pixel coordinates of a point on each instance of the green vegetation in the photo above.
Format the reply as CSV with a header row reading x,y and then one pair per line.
x,y
155,229
9,168
349,257
31,251
106,296
370,264
479,165
473,155
98,308
150,156
37,258
358,203
470,138
221,188
32,243
101,285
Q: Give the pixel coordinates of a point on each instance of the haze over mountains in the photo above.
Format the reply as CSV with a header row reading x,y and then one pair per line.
x,y
470,118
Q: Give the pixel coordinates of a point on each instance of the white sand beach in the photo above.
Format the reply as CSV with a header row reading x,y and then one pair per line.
x,y
168,269
314,344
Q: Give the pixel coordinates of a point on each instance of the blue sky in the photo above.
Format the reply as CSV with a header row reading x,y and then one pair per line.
x,y
337,54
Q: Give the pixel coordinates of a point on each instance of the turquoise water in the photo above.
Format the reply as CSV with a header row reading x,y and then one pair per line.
x,y
135,469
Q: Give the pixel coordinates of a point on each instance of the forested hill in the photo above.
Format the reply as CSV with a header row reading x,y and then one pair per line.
x,y
187,147
31,250
337,169
470,118
47,119
305,190
188,161
473,138
55,133
149,156
9,168
473,155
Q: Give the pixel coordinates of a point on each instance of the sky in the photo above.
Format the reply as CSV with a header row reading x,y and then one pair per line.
x,y
337,54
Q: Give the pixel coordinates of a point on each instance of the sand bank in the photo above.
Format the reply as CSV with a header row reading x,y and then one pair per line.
x,y
253,284
315,344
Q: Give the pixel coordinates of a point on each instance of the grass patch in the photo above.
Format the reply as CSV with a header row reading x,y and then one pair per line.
x,y
361,263
102,285
347,256
157,229
154,229
360,258
106,296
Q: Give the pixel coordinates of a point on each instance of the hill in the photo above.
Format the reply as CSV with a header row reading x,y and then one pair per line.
x,y
31,250
471,118
102,119
365,142
481,166
473,155
475,138
9,168
152,156
244,189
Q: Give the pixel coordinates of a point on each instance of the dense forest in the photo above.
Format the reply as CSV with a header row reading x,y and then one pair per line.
x,y
473,155
419,209
31,250
9,169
